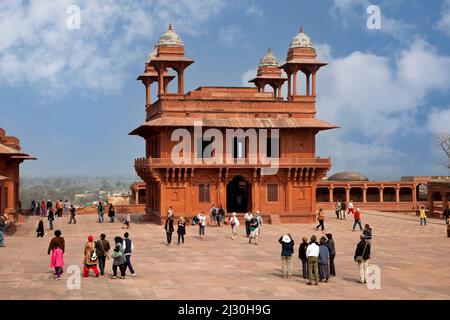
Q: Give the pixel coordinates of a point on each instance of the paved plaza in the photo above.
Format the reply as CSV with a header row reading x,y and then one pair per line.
x,y
413,261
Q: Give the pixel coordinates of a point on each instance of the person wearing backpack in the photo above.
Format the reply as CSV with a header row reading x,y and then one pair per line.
x,y
102,248
119,258
362,256
90,258
128,248
254,224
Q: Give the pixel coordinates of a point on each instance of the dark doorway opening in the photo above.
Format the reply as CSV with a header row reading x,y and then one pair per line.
x,y
238,195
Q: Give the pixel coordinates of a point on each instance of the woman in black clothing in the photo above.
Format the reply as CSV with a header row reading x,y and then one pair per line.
x,y
332,248
111,213
169,229
303,258
181,230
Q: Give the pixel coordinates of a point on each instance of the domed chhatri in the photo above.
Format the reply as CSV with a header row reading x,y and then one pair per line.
x,y
152,55
348,176
170,38
269,60
301,40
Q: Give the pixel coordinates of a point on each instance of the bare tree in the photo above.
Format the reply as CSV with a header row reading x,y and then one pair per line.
x,y
443,140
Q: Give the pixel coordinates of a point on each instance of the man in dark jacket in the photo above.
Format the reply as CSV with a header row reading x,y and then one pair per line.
x,y
362,256
332,247
102,247
287,250
128,250
343,208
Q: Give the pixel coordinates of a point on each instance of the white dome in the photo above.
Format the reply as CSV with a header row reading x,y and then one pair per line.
x,y
269,60
301,40
170,38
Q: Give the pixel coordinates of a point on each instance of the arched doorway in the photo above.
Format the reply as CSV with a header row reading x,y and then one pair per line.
x,y
239,195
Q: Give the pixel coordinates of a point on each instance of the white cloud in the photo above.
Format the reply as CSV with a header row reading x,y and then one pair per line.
x,y
374,100
444,22
247,76
350,11
254,11
439,120
38,49
229,35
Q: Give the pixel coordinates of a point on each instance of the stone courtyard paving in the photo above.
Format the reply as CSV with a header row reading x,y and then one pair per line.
x,y
413,260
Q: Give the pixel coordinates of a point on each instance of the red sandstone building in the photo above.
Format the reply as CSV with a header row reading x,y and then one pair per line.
x,y
242,184
10,159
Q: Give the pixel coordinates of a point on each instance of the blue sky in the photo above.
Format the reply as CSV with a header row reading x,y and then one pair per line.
x,y
72,98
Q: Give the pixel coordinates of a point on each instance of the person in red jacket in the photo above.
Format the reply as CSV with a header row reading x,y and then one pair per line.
x,y
357,215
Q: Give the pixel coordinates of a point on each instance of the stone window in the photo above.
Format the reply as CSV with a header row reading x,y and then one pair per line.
x,y
272,192
204,192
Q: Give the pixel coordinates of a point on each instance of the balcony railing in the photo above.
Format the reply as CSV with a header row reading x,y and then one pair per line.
x,y
236,163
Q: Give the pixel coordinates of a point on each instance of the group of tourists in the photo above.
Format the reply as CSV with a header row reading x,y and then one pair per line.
x,y
341,207
317,257
341,214
181,229
96,253
253,224
43,208
111,214
217,215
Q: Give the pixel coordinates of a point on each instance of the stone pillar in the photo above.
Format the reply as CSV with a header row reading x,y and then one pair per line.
x,y
365,194
294,90
397,194
381,194
161,84
279,91
289,86
414,194
181,81
444,202
430,202
308,91
314,83
136,196
147,92
347,193
10,206
330,191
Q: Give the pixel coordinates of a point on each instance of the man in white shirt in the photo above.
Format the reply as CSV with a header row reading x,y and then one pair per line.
x,y
312,253
350,208
248,217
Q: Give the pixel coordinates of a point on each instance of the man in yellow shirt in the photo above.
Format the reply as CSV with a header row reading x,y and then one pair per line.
x,y
423,216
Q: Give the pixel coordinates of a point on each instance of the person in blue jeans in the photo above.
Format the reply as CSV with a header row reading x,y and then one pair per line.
x,y
128,250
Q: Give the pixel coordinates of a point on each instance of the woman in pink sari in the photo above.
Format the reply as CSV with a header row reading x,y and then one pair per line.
x,y
56,248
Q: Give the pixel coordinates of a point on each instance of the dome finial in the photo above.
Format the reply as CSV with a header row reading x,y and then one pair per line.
x,y
170,27
301,29
270,50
